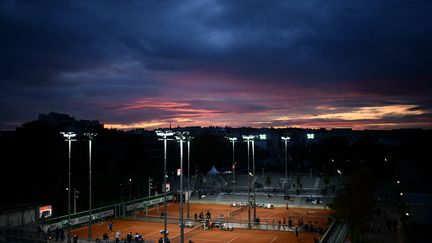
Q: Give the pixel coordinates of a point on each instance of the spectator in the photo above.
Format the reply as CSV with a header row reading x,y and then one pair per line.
x,y
75,238
57,233
105,237
110,227
117,236
129,237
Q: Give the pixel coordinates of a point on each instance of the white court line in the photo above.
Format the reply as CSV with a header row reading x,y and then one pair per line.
x,y
145,235
154,233
273,239
233,239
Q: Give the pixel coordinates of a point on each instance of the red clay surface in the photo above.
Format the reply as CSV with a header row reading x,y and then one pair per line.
x,y
151,230
316,217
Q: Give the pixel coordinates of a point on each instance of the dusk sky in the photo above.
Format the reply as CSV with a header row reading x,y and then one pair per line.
x,y
363,64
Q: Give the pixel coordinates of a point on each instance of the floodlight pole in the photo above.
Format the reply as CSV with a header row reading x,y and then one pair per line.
x,y
165,135
149,186
286,139
310,136
254,180
90,137
69,136
233,140
181,137
188,177
165,193
248,139
249,187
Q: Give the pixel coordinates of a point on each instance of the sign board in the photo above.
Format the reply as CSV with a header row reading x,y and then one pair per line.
x,y
45,212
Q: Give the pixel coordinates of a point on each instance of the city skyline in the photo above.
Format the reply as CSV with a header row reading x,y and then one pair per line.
x,y
359,65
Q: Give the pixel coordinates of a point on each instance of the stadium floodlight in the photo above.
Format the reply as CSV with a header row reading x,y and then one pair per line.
x,y
286,139
165,136
181,137
233,140
69,138
250,139
189,139
90,137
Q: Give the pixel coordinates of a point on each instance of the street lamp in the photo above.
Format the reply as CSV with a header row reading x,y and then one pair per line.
x,y
150,182
247,139
189,138
131,186
286,139
69,138
181,137
90,137
165,136
233,140
340,175
76,196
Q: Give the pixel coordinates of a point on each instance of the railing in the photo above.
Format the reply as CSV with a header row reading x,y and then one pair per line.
x,y
337,233
266,224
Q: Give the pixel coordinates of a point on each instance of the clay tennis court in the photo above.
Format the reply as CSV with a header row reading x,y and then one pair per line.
x,y
317,217
151,232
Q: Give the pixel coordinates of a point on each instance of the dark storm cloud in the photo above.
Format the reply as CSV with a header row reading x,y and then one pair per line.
x,y
311,41
79,57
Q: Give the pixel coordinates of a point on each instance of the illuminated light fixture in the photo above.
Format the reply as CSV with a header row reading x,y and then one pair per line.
x,y
339,172
164,134
310,136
